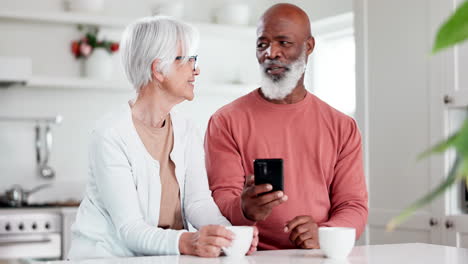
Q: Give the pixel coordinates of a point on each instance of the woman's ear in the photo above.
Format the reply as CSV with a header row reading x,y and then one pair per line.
x,y
154,70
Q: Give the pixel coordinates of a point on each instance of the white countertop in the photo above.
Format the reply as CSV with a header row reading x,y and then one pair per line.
x,y
376,254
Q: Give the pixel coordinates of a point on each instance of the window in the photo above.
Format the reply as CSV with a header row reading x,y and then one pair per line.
x,y
331,69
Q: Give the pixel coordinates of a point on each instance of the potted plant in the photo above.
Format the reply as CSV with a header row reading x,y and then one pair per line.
x,y
97,53
452,32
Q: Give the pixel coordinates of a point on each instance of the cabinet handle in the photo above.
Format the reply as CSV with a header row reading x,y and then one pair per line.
x,y
18,242
433,222
449,224
448,99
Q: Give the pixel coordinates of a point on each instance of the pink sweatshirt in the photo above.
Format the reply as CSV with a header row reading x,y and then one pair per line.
x,y
322,155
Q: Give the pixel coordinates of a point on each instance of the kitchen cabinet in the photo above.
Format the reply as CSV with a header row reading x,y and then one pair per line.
x,y
459,92
392,58
449,101
68,218
456,59
413,100
456,234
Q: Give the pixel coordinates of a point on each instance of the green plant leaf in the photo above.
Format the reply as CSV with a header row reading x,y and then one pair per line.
x,y
454,175
454,30
464,167
439,147
461,142
92,41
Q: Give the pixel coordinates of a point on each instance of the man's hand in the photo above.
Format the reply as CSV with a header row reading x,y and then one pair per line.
x,y
255,206
304,232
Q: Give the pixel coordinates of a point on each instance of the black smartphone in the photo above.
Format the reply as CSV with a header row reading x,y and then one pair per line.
x,y
269,171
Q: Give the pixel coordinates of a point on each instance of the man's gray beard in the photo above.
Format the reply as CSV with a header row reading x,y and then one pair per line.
x,y
282,87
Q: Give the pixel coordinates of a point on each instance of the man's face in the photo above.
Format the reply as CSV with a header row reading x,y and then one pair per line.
x,y
280,42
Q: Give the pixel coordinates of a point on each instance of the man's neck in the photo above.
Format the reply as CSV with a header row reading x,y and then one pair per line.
x,y
297,95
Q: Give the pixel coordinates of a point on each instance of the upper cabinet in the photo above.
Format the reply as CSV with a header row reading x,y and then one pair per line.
x,y
449,66
460,92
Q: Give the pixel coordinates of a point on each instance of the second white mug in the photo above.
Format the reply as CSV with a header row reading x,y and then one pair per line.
x,y
337,242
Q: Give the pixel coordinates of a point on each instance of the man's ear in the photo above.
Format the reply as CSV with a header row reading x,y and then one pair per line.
x,y
154,70
310,42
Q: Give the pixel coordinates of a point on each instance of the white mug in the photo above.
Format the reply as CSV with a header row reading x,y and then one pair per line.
x,y
241,243
337,242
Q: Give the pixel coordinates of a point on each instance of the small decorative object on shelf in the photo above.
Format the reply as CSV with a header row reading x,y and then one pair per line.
x,y
84,6
233,13
98,64
174,8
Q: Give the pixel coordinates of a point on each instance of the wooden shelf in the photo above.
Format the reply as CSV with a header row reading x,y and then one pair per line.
x,y
77,83
110,21
65,18
202,87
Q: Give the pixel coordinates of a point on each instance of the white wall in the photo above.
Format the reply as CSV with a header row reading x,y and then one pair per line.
x,y
48,46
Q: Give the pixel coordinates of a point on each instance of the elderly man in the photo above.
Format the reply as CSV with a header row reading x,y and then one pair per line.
x,y
324,183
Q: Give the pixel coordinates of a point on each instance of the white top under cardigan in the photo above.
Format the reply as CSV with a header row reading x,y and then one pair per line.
x,y
120,211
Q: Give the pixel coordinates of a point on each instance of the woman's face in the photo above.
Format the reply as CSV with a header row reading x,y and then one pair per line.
x,y
180,80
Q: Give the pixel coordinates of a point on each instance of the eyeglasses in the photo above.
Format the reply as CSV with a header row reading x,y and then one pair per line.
x,y
192,59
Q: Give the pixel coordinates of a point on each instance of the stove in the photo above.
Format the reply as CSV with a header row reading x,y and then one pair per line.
x,y
30,234
68,203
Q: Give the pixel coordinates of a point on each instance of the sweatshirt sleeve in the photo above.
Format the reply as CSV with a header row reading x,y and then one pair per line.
x,y
348,192
117,192
225,172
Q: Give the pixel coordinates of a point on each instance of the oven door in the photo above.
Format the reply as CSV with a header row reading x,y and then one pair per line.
x,y
31,246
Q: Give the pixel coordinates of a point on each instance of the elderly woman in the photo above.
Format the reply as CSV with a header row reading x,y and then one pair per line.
x,y
147,174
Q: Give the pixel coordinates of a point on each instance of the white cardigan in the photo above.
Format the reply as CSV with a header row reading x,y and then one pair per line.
x,y
120,211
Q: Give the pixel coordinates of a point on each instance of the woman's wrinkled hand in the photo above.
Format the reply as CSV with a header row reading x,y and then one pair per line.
x,y
253,246
207,242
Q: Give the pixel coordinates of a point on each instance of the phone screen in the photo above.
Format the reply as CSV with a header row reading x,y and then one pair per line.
x,y
269,171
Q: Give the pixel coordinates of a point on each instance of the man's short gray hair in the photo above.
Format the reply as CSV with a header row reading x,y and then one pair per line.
x,y
152,38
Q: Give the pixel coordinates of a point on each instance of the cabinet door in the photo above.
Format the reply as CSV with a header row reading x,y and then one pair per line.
x,y
461,68
460,93
420,228
68,218
456,231
397,114
457,94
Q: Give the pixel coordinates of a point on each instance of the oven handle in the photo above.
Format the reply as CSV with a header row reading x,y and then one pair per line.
x,y
12,242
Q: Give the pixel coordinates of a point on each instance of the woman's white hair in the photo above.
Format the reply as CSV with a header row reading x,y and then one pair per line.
x,y
152,38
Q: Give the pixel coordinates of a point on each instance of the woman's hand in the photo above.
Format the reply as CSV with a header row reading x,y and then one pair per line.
x,y
207,242
253,246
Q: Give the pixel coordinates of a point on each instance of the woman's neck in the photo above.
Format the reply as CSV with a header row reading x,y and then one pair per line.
x,y
152,106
